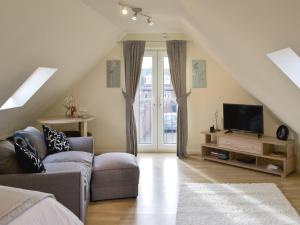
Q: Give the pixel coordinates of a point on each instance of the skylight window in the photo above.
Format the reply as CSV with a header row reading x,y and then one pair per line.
x,y
288,62
29,87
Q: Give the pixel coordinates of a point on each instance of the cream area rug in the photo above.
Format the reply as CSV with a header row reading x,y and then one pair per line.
x,y
234,204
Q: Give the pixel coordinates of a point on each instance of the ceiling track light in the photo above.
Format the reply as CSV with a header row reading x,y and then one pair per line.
x,y
134,17
136,11
149,21
124,11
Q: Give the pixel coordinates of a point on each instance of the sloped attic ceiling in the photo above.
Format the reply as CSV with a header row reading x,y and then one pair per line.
x,y
166,14
72,35
64,34
241,34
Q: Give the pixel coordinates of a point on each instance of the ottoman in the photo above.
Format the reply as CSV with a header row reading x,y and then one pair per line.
x,y
115,175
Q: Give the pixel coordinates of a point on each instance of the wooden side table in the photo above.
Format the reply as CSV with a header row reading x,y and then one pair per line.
x,y
82,122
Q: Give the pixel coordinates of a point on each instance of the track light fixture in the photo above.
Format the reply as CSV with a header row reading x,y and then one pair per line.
x,y
149,21
136,11
124,11
134,17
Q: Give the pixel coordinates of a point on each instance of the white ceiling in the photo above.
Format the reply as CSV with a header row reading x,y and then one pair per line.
x,y
166,15
72,35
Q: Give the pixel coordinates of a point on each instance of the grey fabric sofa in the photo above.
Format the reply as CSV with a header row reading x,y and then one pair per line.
x,y
70,174
67,175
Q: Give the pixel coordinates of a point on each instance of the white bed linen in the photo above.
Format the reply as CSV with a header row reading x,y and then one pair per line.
x,y
47,212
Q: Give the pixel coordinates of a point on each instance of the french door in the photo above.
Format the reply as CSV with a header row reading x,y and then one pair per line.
x,y
155,105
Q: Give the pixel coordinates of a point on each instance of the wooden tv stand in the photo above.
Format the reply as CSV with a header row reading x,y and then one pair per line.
x,y
262,151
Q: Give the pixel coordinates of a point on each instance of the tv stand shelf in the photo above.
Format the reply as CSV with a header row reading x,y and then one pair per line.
x,y
263,152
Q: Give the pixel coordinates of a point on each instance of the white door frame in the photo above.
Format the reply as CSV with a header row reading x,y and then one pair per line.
x,y
149,147
157,106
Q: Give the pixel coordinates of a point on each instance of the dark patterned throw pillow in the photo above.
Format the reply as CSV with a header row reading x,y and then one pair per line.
x,y
27,156
56,141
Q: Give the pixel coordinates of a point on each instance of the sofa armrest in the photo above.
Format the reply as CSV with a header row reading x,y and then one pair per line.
x,y
84,144
65,186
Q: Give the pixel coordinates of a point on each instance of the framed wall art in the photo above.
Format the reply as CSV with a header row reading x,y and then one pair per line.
x,y
199,73
113,73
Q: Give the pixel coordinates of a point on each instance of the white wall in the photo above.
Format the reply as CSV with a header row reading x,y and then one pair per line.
x,y
108,106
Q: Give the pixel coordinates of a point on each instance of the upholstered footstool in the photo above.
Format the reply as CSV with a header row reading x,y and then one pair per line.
x,y
115,175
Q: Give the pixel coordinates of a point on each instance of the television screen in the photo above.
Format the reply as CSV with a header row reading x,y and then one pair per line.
x,y
248,118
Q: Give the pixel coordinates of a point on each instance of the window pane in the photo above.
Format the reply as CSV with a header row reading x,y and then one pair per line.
x,y
145,102
170,107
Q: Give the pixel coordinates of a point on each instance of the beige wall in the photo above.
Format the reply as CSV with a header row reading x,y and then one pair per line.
x,y
221,88
62,34
107,104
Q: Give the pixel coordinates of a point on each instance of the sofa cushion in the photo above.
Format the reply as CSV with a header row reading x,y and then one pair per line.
x,y
115,175
36,138
70,156
82,144
56,141
8,160
114,160
85,169
27,156
115,169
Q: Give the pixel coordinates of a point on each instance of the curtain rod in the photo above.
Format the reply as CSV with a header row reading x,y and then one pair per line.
x,y
188,41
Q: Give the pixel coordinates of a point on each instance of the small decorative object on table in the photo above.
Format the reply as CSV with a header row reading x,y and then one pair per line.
x,y
70,105
216,118
74,109
83,112
67,105
282,133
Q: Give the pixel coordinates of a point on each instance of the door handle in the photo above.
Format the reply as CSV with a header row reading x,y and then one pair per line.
x,y
160,101
153,102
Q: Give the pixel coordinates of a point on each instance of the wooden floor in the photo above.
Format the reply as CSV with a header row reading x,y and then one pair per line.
x,y
160,179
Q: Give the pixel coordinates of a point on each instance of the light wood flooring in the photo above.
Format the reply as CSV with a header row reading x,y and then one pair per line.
x,y
160,179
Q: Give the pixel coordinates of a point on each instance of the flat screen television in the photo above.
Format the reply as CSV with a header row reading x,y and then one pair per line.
x,y
245,118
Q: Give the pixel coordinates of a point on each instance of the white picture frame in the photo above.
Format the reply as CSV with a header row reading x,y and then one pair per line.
x,y
199,79
113,73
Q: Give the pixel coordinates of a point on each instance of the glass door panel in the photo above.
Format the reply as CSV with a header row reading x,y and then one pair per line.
x,y
167,111
145,103
145,106
169,106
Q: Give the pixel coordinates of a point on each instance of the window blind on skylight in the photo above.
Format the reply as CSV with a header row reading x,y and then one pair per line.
x,y
288,62
29,88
